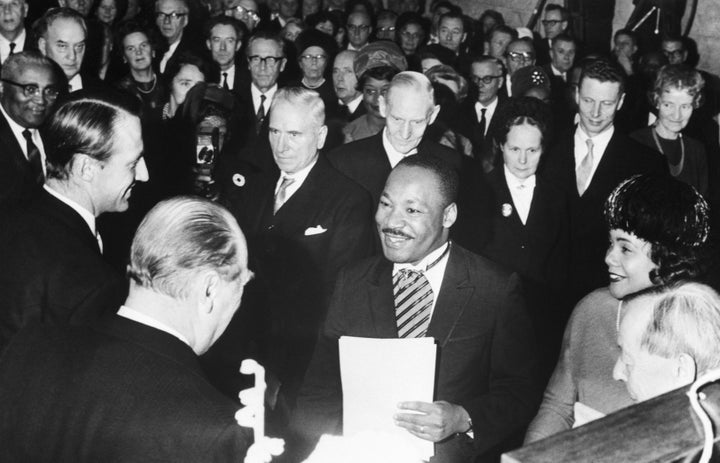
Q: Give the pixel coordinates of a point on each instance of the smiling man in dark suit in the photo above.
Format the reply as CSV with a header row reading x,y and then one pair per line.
x,y
28,90
53,269
303,224
131,388
485,372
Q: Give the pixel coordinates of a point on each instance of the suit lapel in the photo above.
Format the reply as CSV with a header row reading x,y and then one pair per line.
x,y
382,303
455,292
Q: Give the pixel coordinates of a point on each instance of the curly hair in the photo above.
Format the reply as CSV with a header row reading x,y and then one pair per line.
x,y
519,111
679,77
670,215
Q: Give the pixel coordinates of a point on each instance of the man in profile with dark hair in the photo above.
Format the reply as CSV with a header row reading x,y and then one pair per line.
x,y
589,163
53,268
485,383
130,388
30,85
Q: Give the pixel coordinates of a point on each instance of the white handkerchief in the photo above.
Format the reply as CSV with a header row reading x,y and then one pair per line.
x,y
315,230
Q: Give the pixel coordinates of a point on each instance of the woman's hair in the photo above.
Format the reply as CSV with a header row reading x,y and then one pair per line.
x,y
443,72
519,111
321,17
679,77
175,65
670,215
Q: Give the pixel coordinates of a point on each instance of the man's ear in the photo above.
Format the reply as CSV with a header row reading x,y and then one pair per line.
x,y
620,103
238,45
42,44
208,44
210,283
434,114
322,135
449,215
282,64
84,167
686,369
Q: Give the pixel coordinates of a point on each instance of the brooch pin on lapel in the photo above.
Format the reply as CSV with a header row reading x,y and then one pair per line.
x,y
238,180
506,210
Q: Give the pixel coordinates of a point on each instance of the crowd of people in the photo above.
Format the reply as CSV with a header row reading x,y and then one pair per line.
x,y
185,184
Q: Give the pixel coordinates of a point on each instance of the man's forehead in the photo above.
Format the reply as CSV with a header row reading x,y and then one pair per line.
x,y
520,46
66,26
344,60
265,46
10,2
564,45
34,73
485,67
451,23
174,5
553,15
358,18
223,30
672,45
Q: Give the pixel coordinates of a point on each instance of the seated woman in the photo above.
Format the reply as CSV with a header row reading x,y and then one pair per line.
x,y
658,227
530,220
676,94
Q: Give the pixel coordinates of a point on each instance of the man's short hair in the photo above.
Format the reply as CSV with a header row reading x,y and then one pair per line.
x,y
85,123
480,59
181,237
448,178
674,39
563,37
416,81
265,34
685,320
628,32
17,62
240,27
302,97
452,15
603,71
564,13
41,26
502,29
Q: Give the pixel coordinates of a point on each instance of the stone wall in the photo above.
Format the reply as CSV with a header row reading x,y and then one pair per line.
x,y
705,30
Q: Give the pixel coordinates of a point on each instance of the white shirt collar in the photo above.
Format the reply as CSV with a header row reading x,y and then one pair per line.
x,y
522,192
393,155
269,95
166,57
600,143
87,216
5,45
352,106
230,77
489,111
134,315
299,178
514,182
434,274
556,71
75,83
18,130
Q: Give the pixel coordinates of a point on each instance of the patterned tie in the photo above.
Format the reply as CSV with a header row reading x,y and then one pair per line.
x,y
225,84
33,154
585,168
281,195
260,116
413,301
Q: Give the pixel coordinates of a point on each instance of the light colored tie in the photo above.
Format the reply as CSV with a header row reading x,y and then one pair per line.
x,y
99,241
281,195
585,168
413,303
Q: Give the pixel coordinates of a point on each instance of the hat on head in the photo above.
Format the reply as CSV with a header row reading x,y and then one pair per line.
x,y
315,38
378,54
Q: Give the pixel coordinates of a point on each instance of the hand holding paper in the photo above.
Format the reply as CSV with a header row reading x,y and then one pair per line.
x,y
432,421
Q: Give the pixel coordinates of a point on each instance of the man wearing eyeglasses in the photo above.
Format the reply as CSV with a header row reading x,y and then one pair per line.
x,y
477,118
28,89
245,11
14,37
171,18
359,27
520,53
555,22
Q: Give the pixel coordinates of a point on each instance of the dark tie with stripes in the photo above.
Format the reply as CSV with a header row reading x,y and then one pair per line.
x,y
413,303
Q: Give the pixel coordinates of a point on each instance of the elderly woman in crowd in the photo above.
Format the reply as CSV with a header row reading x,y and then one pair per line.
x,y
315,50
658,229
676,94
109,12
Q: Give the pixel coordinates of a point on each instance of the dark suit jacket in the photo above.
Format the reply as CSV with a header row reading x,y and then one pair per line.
x,y
486,357
366,162
17,183
52,269
296,255
468,125
623,158
120,392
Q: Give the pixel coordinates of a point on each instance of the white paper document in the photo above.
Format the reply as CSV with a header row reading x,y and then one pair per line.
x,y
377,374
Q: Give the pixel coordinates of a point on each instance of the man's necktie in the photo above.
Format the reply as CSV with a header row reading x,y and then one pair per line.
x,y
12,47
225,84
281,195
34,157
99,241
482,124
413,303
585,168
344,112
260,116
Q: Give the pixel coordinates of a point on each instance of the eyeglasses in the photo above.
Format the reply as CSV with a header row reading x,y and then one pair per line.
x,y
31,90
356,28
520,56
272,61
387,29
551,22
174,16
243,12
313,57
487,80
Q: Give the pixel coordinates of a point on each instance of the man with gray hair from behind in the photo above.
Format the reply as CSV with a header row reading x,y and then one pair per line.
x,y
131,388
668,337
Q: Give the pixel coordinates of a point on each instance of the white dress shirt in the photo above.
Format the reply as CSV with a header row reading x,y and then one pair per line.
x,y
134,315
556,72
394,156
352,106
18,130
434,275
600,143
230,77
489,112
168,54
299,178
269,95
75,83
5,45
522,192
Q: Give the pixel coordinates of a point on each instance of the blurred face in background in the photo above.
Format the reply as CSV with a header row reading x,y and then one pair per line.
x,y
410,38
344,78
223,44
106,11
137,51
313,62
12,15
359,29
186,79
562,55
451,33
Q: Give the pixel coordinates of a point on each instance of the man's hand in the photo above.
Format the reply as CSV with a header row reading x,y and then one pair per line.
x,y
433,421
